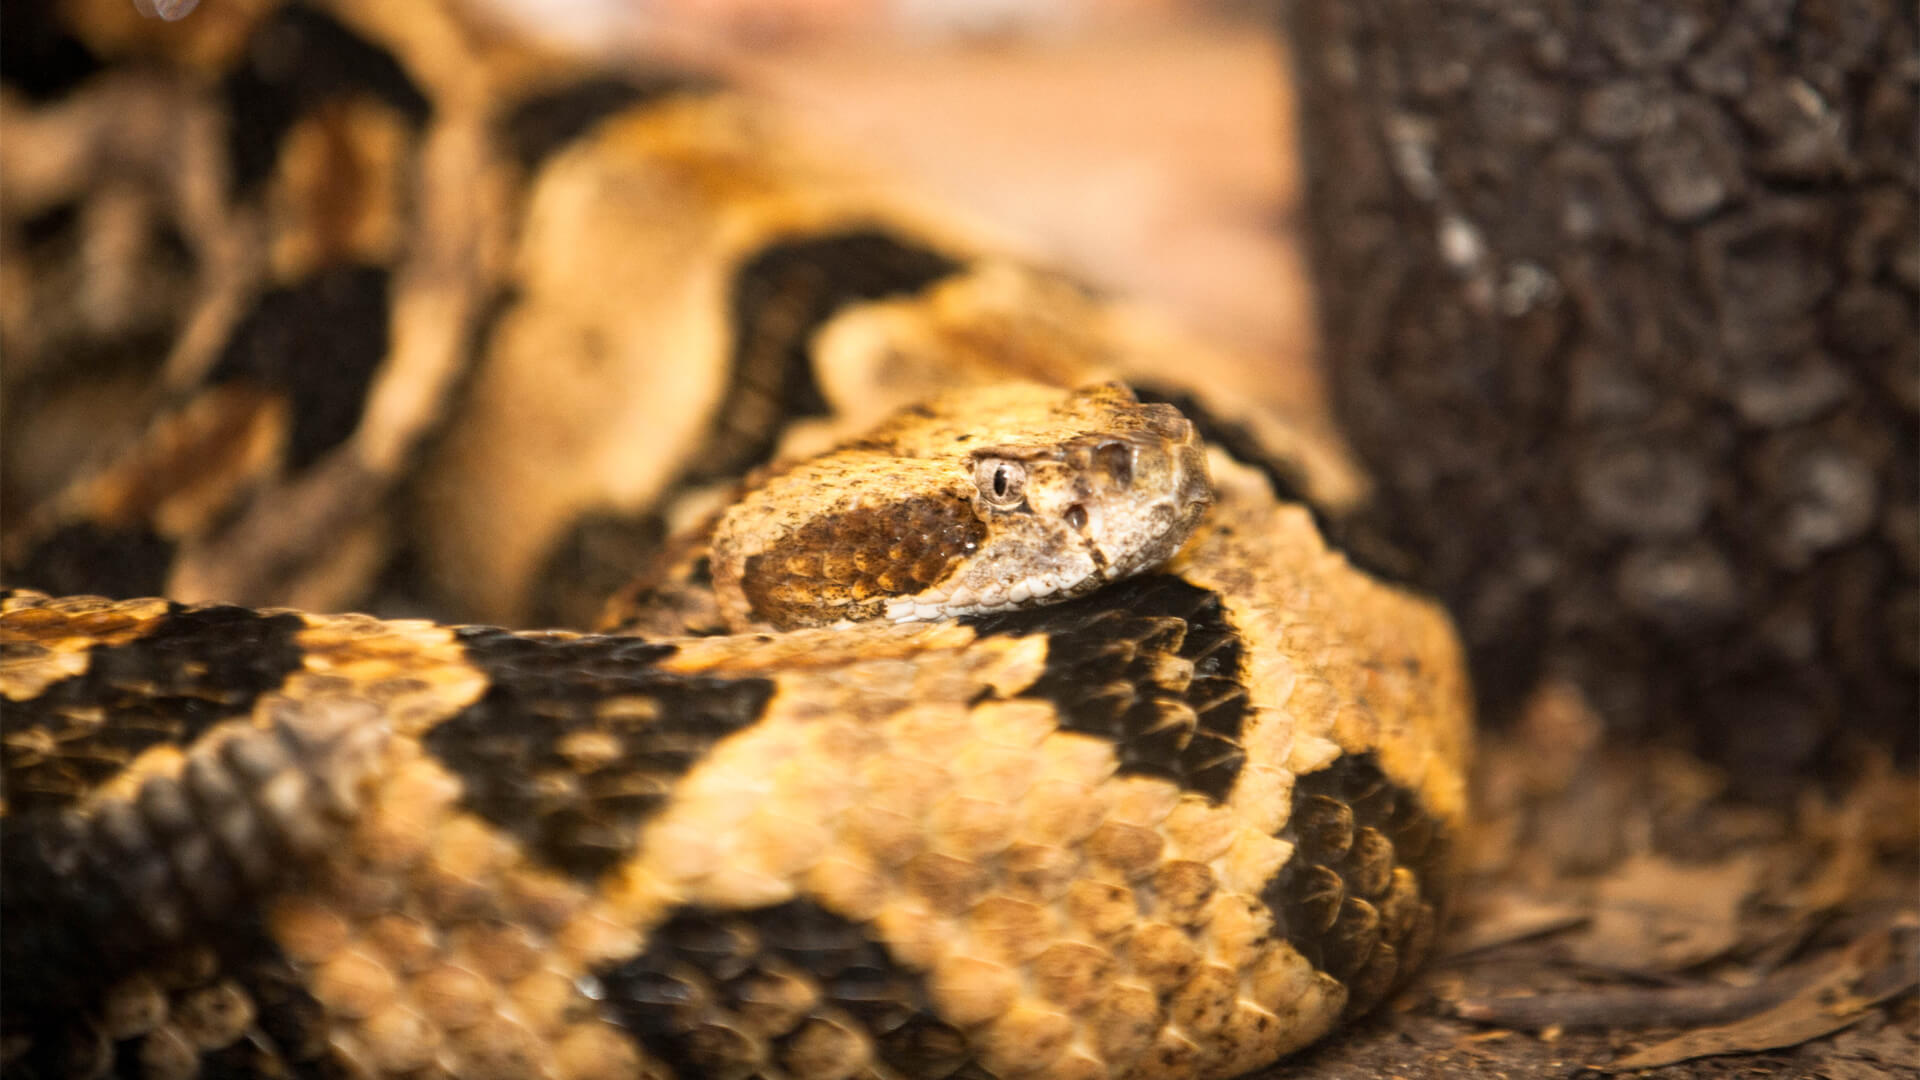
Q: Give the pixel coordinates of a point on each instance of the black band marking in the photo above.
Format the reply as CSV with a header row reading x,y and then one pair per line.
x,y
58,892
1366,547
297,59
193,670
38,57
590,562
57,223
320,342
88,557
781,296
79,922
577,741
157,881
1106,674
696,999
541,125
1361,897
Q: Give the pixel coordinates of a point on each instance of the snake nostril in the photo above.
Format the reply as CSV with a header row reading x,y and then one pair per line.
x,y
1116,460
1076,516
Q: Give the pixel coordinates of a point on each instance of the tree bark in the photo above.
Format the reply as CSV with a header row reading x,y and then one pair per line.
x,y
1621,302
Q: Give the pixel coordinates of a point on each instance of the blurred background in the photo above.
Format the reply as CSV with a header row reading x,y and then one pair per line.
x,y
1144,144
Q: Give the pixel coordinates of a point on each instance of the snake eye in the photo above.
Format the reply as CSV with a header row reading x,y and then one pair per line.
x,y
1002,483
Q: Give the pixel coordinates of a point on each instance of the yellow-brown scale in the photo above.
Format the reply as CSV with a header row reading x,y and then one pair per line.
x,y
1175,828
1004,860
914,854
432,942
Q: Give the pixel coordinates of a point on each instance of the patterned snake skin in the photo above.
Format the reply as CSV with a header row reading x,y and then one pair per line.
x,y
325,307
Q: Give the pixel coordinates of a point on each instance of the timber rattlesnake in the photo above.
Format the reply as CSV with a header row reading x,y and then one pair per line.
x,y
419,317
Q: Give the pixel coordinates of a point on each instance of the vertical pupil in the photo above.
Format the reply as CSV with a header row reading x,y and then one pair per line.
x,y
1000,481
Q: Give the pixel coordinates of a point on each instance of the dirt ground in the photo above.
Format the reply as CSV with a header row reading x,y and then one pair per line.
x,y
1620,914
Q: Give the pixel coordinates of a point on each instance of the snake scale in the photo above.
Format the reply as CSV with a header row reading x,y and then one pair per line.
x,y
321,307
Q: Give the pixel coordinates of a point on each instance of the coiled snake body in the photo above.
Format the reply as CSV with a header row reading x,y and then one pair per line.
x,y
837,796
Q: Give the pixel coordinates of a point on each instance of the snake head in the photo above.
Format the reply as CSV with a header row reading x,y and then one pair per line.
x,y
977,501
1065,515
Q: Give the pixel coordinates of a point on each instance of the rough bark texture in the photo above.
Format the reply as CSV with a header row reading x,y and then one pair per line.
x,y
1620,303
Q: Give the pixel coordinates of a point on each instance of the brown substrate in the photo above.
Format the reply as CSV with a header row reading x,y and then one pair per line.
x,y
1622,907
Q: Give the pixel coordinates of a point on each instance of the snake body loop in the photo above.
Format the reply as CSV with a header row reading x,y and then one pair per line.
x,y
958,710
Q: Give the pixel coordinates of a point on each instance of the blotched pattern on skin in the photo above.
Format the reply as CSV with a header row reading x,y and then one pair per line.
x,y
1026,899
1173,827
